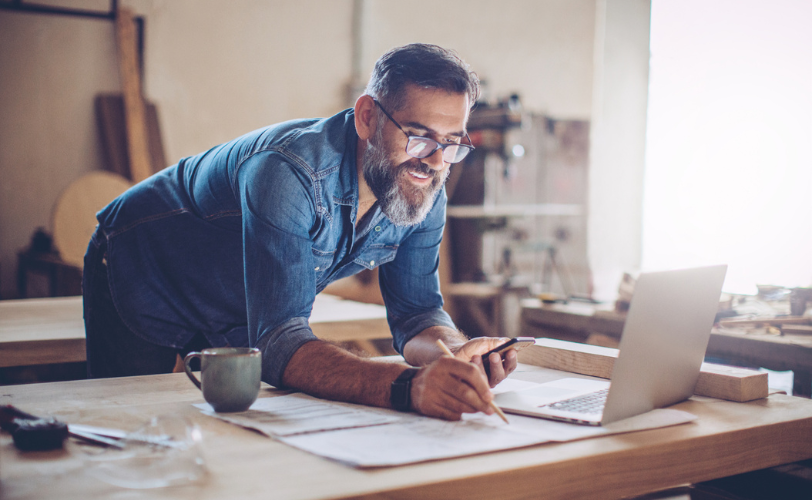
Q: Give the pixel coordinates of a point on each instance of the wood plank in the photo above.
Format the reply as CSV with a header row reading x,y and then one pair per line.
x,y
572,357
135,113
30,353
715,381
796,329
112,129
113,132
157,158
789,320
731,383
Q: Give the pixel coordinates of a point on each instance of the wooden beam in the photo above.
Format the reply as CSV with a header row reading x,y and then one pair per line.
x,y
110,116
715,381
134,109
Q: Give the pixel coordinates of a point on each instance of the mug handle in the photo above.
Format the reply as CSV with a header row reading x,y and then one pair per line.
x,y
188,368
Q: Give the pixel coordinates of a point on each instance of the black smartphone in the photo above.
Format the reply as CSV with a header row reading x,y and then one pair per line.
x,y
517,344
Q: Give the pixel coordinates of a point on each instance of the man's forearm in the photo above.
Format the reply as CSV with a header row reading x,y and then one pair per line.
x,y
445,387
327,371
422,349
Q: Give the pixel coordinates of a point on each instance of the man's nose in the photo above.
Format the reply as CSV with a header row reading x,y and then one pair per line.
x,y
435,160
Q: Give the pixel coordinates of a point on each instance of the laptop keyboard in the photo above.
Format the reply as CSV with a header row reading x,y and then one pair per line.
x,y
586,403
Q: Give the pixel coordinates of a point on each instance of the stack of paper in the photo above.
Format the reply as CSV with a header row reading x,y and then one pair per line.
x,y
363,436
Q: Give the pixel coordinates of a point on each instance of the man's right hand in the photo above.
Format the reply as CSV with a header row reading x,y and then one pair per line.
x,y
449,387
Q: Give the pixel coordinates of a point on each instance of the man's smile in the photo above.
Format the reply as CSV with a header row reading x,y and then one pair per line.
x,y
419,175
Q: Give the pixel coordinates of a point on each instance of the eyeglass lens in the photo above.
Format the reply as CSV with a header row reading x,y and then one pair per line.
x,y
422,147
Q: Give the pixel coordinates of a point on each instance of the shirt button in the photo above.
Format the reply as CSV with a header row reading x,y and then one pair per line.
x,y
317,268
377,228
372,263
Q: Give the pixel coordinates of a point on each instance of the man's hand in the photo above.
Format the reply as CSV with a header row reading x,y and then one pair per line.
x,y
422,349
449,387
499,368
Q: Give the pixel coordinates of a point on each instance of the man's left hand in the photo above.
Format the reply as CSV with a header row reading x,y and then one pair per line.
x,y
473,350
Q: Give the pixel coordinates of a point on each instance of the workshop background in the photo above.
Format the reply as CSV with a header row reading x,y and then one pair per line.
x,y
609,178
215,70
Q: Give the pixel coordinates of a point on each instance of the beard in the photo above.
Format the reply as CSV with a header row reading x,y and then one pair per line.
x,y
403,203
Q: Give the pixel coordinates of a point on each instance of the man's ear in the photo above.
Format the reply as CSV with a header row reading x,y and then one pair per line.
x,y
366,119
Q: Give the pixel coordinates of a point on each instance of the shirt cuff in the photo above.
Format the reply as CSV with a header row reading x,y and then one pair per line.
x,y
278,346
409,328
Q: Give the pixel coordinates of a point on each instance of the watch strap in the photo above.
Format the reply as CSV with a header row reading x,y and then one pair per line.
x,y
401,390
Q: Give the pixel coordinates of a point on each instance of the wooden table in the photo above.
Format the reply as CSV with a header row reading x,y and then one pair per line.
x,y
576,322
728,438
50,331
41,331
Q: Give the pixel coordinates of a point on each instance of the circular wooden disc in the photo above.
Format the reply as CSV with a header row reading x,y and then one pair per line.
x,y
74,218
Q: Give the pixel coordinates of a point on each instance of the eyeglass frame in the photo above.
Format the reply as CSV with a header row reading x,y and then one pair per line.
x,y
469,147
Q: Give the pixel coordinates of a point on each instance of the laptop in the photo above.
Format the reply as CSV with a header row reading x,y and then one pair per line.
x,y
661,351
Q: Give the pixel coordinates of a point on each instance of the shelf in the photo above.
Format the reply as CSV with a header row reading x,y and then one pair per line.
x,y
482,211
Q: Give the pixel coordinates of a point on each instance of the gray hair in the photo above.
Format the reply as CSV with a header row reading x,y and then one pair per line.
x,y
424,65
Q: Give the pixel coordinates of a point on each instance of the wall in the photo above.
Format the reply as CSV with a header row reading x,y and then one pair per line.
x,y
729,164
219,69
618,141
541,49
50,67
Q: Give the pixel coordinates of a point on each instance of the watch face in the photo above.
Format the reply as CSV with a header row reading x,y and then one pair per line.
x,y
400,397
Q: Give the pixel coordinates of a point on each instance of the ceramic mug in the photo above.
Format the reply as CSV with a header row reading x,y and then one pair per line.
x,y
229,376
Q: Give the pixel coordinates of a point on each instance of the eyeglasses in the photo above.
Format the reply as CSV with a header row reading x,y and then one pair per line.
x,y
423,147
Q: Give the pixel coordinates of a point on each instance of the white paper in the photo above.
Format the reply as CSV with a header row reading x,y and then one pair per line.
x,y
415,439
420,439
362,436
299,413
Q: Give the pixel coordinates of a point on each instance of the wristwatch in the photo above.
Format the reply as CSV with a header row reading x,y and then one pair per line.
x,y
401,394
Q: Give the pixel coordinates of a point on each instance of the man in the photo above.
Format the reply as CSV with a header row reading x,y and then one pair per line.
x,y
231,246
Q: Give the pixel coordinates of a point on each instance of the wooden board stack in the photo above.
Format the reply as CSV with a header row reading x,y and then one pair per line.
x,y
715,381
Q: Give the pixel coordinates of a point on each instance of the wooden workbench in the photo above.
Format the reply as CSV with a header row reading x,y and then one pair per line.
x,y
727,438
577,322
52,330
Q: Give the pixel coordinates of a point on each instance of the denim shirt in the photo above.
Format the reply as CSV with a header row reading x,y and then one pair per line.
x,y
236,242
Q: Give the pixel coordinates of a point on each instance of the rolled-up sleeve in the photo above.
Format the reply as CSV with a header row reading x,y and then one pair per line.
x,y
278,209
410,283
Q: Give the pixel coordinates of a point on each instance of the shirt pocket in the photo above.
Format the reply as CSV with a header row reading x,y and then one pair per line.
x,y
376,255
323,261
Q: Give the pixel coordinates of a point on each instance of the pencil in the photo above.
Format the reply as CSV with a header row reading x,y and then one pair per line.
x,y
493,405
